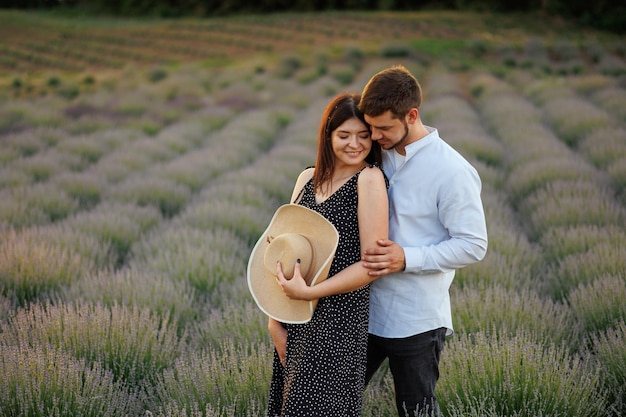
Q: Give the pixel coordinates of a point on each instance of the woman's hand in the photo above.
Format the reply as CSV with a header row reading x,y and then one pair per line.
x,y
295,288
279,336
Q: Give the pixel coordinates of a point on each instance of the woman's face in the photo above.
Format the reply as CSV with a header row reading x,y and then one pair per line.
x,y
351,142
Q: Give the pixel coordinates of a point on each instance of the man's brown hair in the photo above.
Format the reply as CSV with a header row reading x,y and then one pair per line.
x,y
394,89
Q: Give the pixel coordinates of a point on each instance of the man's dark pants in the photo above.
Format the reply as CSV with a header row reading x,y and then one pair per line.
x,y
414,364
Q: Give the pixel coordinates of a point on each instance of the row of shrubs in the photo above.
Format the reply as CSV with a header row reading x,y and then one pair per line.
x,y
67,61
605,15
154,307
503,319
570,214
151,305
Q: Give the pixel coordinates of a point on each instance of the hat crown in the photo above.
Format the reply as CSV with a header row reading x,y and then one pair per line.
x,y
288,248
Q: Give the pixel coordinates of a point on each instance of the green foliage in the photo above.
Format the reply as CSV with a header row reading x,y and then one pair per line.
x,y
288,66
234,321
478,47
512,311
30,267
611,357
201,258
458,121
116,225
561,241
94,253
312,75
161,193
491,374
354,56
39,167
127,214
86,188
144,290
5,307
133,344
89,80
234,375
439,48
174,410
157,74
599,305
394,51
508,270
533,177
53,82
611,99
35,205
604,15
572,129
88,149
562,203
617,172
24,144
247,222
344,76
68,92
600,260
379,395
39,380
605,145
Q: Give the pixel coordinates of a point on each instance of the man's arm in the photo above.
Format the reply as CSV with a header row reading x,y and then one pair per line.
x,y
461,213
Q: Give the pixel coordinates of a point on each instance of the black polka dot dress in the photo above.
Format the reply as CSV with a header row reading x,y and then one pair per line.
x,y
326,357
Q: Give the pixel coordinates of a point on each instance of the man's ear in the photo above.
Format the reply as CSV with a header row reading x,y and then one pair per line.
x,y
413,115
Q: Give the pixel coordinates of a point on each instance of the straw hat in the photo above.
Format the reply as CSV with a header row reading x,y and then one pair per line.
x,y
295,232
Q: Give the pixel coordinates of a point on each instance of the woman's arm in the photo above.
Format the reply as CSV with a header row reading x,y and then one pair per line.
x,y
373,218
279,336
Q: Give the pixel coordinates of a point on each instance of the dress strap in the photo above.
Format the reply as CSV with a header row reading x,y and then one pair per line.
x,y
299,196
376,164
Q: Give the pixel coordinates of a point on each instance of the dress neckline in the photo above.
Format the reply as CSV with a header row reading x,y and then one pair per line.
x,y
319,203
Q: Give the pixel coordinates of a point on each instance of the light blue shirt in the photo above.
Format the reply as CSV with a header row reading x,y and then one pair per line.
x,y
437,216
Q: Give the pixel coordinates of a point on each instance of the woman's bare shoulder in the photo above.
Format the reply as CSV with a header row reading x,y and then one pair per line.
x,y
372,173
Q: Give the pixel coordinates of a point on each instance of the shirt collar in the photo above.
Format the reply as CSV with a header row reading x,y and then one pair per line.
x,y
413,148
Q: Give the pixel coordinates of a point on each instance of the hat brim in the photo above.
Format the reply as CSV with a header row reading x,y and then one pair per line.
x,y
324,239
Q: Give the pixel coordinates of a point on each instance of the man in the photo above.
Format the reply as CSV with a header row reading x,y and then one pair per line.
x,y
436,225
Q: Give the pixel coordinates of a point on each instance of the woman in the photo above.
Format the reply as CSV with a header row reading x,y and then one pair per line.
x,y
319,366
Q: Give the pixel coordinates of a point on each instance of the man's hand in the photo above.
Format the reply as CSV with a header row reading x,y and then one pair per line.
x,y
386,258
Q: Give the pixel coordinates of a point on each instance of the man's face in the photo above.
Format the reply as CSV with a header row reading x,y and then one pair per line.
x,y
388,131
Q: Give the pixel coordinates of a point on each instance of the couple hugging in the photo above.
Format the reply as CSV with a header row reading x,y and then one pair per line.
x,y
357,268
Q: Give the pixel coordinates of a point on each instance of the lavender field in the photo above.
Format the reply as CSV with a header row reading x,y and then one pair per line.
x,y
140,161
